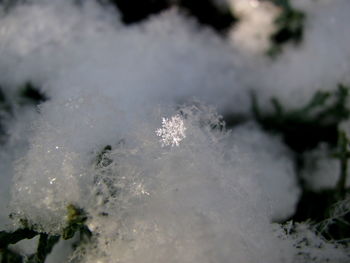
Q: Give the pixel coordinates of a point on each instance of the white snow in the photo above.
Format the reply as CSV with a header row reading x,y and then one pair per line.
x,y
212,198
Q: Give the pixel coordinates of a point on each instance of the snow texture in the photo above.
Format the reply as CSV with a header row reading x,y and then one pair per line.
x,y
318,63
212,198
172,131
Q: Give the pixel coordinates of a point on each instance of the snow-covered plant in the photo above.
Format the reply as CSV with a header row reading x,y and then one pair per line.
x,y
107,155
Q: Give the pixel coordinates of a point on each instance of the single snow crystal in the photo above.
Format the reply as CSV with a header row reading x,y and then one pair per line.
x,y
172,131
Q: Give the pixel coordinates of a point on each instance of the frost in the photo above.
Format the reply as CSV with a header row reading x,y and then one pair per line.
x,y
172,131
311,246
195,204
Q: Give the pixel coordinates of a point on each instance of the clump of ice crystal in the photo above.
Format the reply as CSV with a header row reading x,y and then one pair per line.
x,y
172,131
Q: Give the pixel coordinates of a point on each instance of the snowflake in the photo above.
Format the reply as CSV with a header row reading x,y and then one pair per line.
x,y
172,131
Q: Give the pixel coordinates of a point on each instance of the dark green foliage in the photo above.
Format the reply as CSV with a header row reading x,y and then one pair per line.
x,y
134,10
290,27
343,155
9,4
7,238
75,222
76,219
233,120
46,243
8,256
319,206
207,13
337,226
30,94
303,129
27,94
314,206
